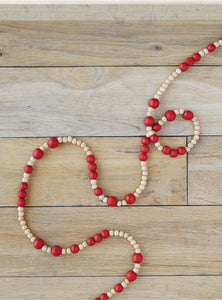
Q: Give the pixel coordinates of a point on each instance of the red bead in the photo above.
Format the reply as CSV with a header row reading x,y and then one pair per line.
x,y
145,140
181,150
90,158
154,138
90,241
23,186
53,142
118,288
166,150
170,115
105,234
93,175
112,201
28,169
173,153
137,258
21,202
98,238
188,115
104,297
144,149
211,47
156,127
131,276
92,167
130,198
153,102
74,248
21,194
143,156
56,250
96,298
38,243
183,67
196,56
37,153
98,191
189,61
149,121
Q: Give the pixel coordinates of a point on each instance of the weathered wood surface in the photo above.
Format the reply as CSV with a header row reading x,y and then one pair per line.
x,y
174,240
104,101
205,172
82,288
61,177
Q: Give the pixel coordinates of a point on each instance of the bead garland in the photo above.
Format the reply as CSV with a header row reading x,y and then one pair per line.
x,y
152,128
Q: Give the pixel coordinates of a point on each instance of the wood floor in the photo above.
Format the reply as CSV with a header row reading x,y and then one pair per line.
x,y
88,71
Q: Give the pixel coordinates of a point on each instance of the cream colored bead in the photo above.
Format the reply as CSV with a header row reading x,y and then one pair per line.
x,y
181,111
49,250
30,163
168,81
160,148
86,149
81,247
194,119
20,213
165,85
69,139
24,179
44,248
196,132
25,175
176,111
178,71
157,144
78,142
143,182
23,223
127,281
216,44
196,123
150,109
27,231
116,232
220,42
157,97
89,153
142,187
101,197
162,89
84,244
190,145
68,251
33,239
83,144
136,270
121,233
119,203
149,114
137,250
20,208
32,158
164,119
74,141
145,173
148,128
113,291
63,251
105,200
109,294
124,285
45,145
151,132
30,235
133,242
136,195
24,227
138,191
20,218
161,122
201,53
188,149
137,266
124,202
94,186
64,139
60,140
42,148
196,127
159,93
143,163
171,77
196,137
126,235
144,177
111,233
205,51
130,238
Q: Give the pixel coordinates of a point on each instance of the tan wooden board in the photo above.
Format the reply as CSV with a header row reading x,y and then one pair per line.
x,y
104,101
79,288
174,241
61,177
205,172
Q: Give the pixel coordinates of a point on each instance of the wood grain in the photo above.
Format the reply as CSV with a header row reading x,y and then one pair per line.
x,y
205,172
61,177
104,101
174,241
79,288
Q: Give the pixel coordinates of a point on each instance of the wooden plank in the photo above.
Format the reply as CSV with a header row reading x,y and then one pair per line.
x,y
174,241
61,177
120,12
103,101
205,172
106,34
167,287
